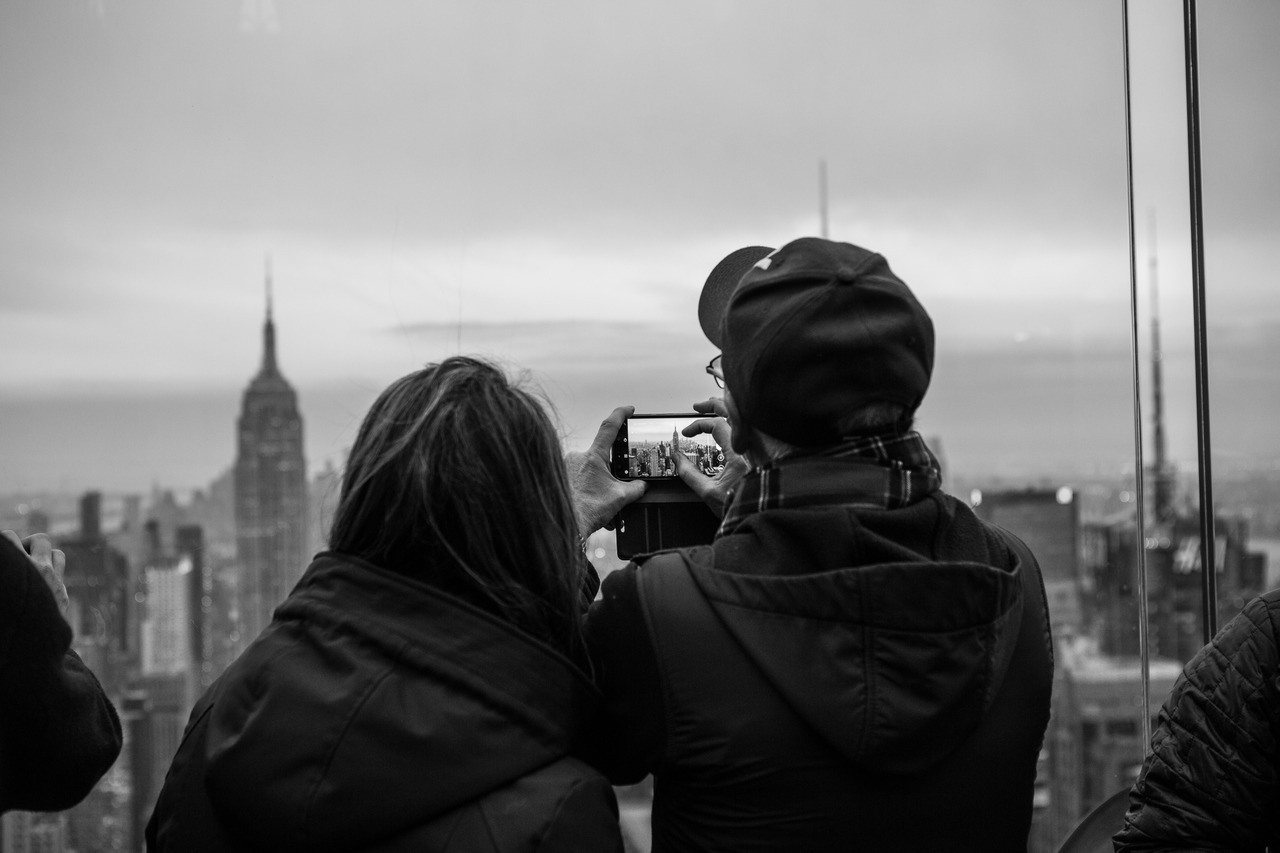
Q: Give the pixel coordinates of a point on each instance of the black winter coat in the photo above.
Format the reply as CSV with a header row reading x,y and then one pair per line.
x,y
58,730
831,678
377,713
1212,780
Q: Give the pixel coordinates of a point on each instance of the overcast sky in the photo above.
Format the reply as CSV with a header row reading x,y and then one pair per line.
x,y
549,183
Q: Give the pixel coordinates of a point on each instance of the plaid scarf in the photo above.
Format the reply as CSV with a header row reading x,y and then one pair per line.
x,y
873,472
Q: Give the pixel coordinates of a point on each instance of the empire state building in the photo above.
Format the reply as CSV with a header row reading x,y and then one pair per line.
x,y
270,490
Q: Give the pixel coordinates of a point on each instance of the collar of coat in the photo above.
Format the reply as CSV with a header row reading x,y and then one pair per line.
x,y
874,472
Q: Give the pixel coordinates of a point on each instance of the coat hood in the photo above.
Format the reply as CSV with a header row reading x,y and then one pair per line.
x,y
374,703
893,653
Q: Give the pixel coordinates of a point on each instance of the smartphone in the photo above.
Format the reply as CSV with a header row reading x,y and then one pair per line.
x,y
645,444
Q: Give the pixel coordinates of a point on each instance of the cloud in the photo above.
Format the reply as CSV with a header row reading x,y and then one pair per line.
x,y
622,350
474,121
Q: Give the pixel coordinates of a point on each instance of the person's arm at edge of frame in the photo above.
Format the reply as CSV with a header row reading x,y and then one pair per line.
x,y
60,732
1170,809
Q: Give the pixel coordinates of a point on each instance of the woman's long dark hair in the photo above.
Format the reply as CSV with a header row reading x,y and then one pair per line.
x,y
456,477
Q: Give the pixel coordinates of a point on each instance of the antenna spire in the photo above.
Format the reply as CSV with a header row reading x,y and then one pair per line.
x,y
1160,467
269,366
822,197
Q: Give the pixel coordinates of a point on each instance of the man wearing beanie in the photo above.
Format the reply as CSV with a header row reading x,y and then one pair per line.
x,y
857,661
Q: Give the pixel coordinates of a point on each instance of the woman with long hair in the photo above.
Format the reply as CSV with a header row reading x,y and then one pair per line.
x,y
421,687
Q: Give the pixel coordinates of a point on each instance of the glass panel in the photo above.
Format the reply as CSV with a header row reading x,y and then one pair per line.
x,y
204,199
1241,216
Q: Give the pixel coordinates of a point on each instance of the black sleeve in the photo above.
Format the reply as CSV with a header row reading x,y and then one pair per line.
x,y
1212,780
59,733
627,739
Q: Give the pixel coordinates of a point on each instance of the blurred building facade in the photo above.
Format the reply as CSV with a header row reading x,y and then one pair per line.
x,y
1093,746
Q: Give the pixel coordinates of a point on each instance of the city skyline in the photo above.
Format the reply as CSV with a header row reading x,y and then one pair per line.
x,y
1055,416
651,430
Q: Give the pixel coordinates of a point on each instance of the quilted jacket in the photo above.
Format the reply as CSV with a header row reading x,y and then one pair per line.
x,y
1212,780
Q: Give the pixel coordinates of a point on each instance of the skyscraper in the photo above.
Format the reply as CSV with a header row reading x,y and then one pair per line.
x,y
102,609
270,489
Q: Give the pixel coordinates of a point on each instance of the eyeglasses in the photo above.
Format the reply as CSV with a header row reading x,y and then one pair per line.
x,y
716,373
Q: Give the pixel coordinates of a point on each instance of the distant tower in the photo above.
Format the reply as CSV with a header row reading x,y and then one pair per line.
x,y
822,199
270,489
1162,473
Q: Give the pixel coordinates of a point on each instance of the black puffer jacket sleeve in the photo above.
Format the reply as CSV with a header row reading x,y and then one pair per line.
x,y
1212,780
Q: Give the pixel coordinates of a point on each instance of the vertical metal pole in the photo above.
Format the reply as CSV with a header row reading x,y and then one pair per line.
x,y
1208,552
1140,471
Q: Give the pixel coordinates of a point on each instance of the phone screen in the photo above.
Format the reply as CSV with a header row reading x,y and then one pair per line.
x,y
645,444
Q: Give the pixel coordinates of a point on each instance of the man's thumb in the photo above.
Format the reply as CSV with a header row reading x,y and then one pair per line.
x,y
634,489
693,478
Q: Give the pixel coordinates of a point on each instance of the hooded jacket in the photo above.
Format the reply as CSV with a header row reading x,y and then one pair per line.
x,y
378,713
830,678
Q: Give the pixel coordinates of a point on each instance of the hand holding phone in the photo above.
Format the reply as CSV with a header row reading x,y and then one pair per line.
x,y
686,461
597,494
654,447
